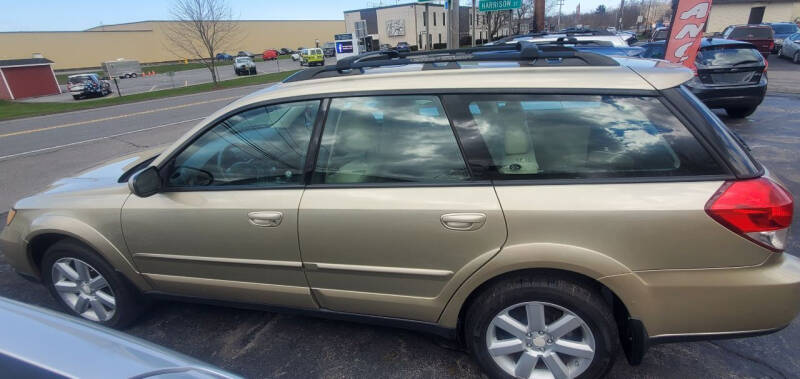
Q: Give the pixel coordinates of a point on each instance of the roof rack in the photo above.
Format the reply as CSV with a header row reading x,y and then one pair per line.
x,y
529,53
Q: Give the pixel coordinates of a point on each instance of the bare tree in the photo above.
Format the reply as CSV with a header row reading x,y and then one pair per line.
x,y
200,29
494,22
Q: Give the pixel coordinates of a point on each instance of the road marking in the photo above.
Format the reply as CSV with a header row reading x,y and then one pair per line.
x,y
152,88
4,157
29,131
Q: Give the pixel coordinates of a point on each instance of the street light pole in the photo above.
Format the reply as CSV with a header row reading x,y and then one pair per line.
x,y
427,26
453,25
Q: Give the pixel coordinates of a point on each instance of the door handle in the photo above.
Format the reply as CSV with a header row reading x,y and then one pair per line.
x,y
265,218
463,221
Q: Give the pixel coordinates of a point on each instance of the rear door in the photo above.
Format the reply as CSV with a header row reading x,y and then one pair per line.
x,y
727,65
392,221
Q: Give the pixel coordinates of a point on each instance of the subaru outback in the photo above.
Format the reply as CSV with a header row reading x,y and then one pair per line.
x,y
546,207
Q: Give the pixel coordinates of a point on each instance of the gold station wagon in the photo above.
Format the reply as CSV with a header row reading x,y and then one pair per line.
x,y
547,207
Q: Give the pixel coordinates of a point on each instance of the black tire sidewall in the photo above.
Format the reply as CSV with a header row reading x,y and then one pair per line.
x,y
128,301
603,329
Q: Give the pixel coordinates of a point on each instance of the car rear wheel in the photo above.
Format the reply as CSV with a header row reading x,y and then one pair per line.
x,y
541,327
796,57
76,97
87,286
740,112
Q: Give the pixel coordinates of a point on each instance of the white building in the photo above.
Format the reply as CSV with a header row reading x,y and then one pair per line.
x,y
407,23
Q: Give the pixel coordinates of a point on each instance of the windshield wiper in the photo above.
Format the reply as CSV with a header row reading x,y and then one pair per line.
x,y
744,62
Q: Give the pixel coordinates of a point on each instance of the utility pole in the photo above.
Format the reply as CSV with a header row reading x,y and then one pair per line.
x,y
538,13
453,24
427,26
474,21
558,23
621,13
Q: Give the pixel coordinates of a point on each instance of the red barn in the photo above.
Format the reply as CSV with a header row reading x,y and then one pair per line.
x,y
21,78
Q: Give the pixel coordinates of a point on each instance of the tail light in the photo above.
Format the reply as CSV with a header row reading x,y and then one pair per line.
x,y
757,209
766,64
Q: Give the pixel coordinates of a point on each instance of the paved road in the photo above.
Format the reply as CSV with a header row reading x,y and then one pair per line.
x,y
260,344
181,78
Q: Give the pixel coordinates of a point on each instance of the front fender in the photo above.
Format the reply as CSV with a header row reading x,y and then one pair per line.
x,y
79,230
532,256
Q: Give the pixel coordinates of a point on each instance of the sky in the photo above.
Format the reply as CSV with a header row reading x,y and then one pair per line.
x,y
49,15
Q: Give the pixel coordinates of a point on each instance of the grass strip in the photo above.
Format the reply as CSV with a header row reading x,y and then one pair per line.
x,y
17,109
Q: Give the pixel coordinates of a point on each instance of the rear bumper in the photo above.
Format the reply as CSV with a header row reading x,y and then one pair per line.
x,y
676,305
742,96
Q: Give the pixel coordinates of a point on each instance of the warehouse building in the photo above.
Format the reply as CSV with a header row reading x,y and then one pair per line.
x,y
733,12
22,78
147,41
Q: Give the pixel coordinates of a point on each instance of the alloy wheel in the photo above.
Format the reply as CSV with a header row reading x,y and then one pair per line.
x,y
83,289
540,340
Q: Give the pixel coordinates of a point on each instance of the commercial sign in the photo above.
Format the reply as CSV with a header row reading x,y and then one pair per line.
x,y
498,5
687,31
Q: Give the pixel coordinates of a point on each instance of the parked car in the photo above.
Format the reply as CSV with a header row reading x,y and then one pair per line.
x,y
781,31
601,46
285,51
730,74
761,36
630,214
87,85
579,35
246,54
659,34
791,48
269,54
329,49
40,343
296,57
312,57
403,47
244,66
224,57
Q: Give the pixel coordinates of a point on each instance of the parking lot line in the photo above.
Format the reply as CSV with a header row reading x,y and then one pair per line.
x,y
78,123
4,157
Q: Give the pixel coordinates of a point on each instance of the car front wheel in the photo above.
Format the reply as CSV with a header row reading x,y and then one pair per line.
x,y
87,286
796,57
531,327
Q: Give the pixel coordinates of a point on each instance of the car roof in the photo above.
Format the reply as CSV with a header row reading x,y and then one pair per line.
x,y
706,42
757,26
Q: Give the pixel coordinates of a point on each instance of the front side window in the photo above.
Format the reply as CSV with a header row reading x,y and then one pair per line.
x,y
388,139
577,136
261,147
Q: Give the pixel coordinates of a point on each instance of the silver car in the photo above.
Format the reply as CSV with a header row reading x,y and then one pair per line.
x,y
39,343
791,48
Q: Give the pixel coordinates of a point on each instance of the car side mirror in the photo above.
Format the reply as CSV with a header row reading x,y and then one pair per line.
x,y
146,183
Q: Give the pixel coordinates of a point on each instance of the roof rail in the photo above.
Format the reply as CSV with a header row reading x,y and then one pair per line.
x,y
528,52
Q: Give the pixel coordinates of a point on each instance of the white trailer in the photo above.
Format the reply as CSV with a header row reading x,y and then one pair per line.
x,y
122,68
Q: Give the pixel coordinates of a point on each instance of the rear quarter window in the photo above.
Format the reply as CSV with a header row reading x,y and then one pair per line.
x,y
574,137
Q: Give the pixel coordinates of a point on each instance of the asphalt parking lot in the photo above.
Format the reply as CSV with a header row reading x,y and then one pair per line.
x,y
180,79
37,151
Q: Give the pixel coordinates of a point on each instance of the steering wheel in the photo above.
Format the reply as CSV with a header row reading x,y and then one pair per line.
x,y
227,154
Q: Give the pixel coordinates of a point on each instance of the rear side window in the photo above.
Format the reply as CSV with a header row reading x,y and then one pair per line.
x,y
388,139
751,33
576,136
728,56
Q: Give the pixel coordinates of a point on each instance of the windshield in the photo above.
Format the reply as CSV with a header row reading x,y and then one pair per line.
x,y
785,28
751,33
728,56
316,51
661,34
242,60
78,79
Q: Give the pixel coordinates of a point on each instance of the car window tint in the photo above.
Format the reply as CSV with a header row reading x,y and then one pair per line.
x,y
727,56
542,136
751,33
388,139
264,146
784,28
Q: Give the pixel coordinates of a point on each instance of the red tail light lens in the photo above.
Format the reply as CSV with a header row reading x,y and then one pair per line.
x,y
757,209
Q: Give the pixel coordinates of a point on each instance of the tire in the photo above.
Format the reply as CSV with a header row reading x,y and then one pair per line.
x,y
134,75
740,112
780,52
128,302
796,57
560,299
76,97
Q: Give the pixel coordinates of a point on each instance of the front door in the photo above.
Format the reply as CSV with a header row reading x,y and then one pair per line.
x,y
226,225
392,222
